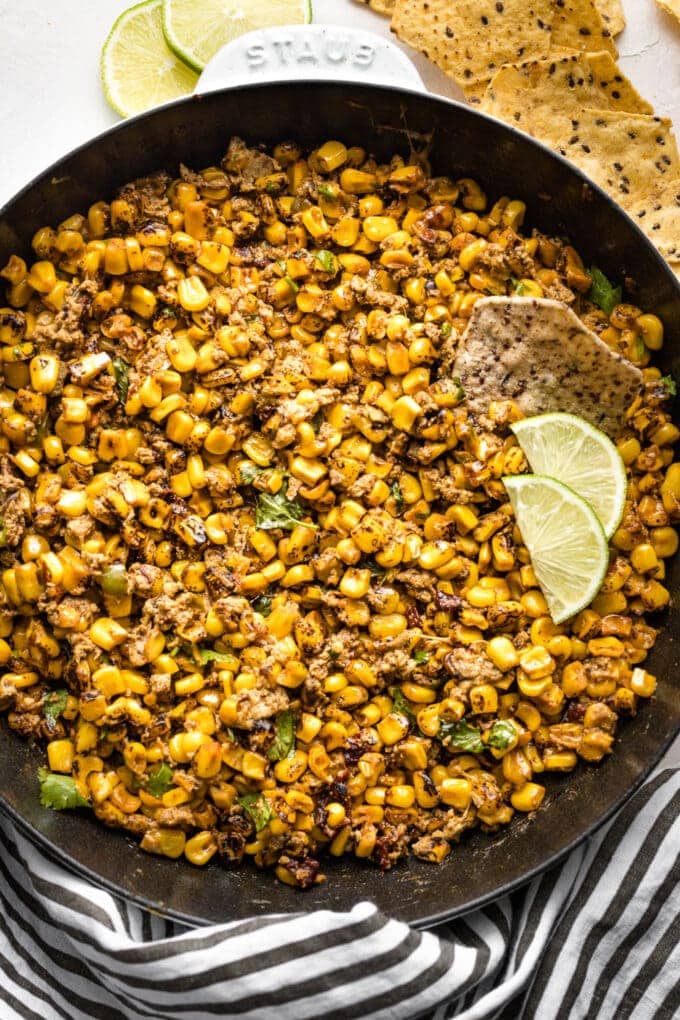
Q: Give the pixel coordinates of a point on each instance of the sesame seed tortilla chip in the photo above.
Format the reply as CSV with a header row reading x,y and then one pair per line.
x,y
671,7
611,12
610,78
658,214
543,96
630,155
385,7
471,39
537,352
577,25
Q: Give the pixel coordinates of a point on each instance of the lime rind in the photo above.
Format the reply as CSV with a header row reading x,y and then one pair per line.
x,y
570,449
566,541
135,44
195,38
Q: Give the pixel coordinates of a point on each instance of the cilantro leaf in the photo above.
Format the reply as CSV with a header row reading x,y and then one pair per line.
x,y
519,285
420,656
58,791
262,605
257,809
121,371
248,472
502,735
398,497
445,329
206,655
53,705
277,511
602,293
461,736
669,382
456,381
284,736
326,192
160,781
401,705
327,260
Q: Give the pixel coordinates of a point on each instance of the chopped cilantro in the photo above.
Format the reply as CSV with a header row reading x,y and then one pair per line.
x,y
277,511
327,260
326,191
160,781
206,655
420,656
602,292
121,371
398,497
257,809
284,736
456,381
374,567
291,283
401,705
272,188
461,736
639,348
248,472
669,382
59,792
445,329
318,420
53,705
262,605
501,735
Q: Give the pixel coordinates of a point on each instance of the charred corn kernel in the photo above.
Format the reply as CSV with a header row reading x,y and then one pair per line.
x,y
199,849
642,683
400,796
456,793
387,626
651,328
404,413
142,301
355,583
331,156
537,662
644,558
664,541
418,693
291,768
107,633
528,798
60,754
393,728
483,698
502,653
192,295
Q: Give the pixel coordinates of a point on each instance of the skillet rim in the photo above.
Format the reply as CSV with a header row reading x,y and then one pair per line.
x,y
568,170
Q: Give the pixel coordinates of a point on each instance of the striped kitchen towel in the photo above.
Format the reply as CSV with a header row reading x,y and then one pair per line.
x,y
596,937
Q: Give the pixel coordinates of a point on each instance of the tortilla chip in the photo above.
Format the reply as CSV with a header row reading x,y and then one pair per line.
x,y
658,214
630,155
380,6
471,39
610,79
671,7
611,12
543,96
537,352
577,25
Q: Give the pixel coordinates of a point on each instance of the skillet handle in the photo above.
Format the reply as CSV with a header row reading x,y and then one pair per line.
x,y
321,52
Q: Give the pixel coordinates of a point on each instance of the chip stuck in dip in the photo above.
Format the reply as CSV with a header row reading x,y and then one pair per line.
x,y
537,352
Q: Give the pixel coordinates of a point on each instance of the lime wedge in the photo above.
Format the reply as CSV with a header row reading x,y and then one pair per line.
x,y
197,30
568,548
571,450
137,69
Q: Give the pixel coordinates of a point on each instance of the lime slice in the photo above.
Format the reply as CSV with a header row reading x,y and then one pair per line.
x,y
197,30
137,69
568,548
567,448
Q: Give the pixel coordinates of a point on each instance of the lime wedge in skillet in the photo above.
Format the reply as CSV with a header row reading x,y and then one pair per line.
x,y
568,548
571,450
137,69
197,30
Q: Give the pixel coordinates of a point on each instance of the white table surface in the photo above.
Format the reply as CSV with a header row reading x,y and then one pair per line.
x,y
51,98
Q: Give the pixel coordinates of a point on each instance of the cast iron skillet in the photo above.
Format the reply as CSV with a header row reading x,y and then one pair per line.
x,y
560,201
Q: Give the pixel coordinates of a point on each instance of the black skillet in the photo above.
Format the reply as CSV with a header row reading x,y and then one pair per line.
x,y
560,201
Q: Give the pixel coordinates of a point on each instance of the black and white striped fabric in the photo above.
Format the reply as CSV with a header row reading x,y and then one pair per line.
x,y
598,938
